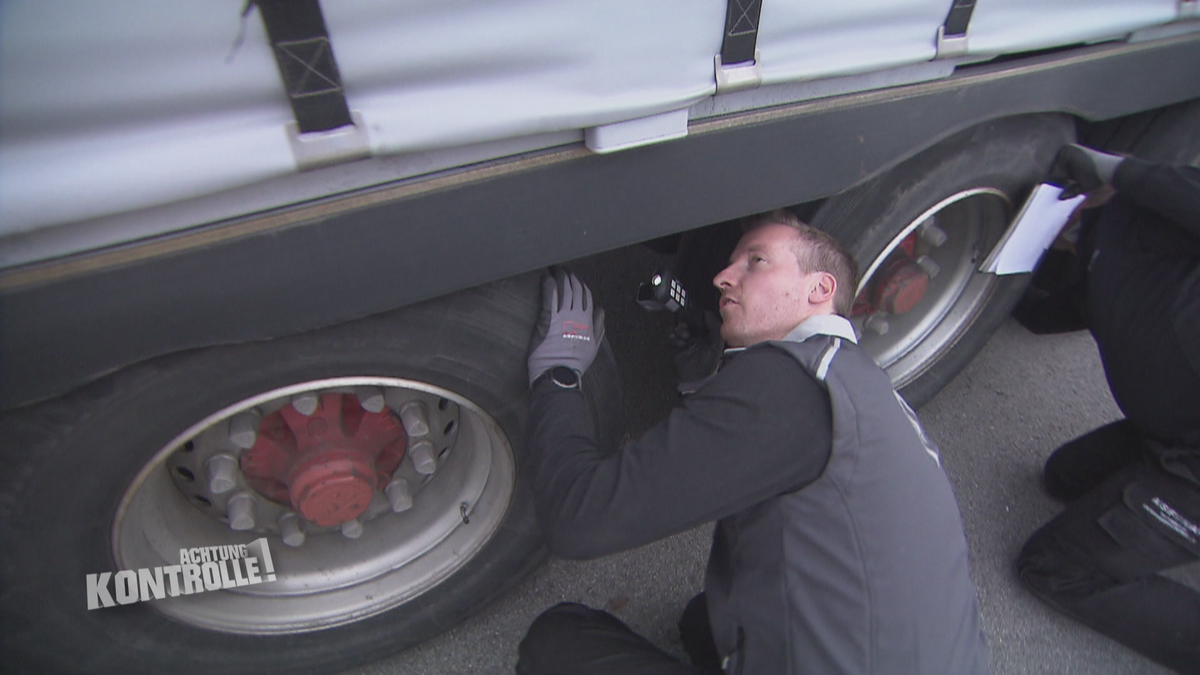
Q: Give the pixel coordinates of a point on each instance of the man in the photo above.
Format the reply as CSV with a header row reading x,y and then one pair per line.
x,y
1124,556
839,546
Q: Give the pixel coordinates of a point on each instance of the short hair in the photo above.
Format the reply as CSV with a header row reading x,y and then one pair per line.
x,y
817,251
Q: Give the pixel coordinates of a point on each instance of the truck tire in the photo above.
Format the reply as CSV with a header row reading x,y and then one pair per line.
x,y
112,477
919,233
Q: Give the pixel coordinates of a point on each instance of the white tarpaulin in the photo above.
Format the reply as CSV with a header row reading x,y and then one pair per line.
x,y
107,107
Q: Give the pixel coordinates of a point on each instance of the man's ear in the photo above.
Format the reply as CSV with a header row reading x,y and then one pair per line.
x,y
824,290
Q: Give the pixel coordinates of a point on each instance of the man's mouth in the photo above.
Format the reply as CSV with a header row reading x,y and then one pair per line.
x,y
726,301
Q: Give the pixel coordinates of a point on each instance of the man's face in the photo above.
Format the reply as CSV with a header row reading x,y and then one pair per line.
x,y
764,294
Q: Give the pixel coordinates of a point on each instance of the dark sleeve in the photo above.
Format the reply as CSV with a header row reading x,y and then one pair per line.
x,y
761,427
1170,191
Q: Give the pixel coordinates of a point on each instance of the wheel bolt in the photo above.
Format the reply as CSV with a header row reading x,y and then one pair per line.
x,y
291,529
243,429
306,403
352,529
241,511
399,495
877,324
370,398
929,265
222,473
423,460
416,423
931,233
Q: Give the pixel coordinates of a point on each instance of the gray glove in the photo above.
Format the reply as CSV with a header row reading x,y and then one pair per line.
x,y
1078,169
570,328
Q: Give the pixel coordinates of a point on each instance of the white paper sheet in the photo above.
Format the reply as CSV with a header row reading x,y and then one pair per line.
x,y
1036,226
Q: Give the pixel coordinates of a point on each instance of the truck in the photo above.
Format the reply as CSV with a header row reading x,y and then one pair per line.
x,y
269,268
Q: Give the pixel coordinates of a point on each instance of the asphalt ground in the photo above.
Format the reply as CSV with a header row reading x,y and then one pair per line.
x,y
995,423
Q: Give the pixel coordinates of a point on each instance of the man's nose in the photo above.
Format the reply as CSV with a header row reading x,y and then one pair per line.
x,y
724,278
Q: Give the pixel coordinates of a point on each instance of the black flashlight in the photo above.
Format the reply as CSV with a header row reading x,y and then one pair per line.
x,y
664,291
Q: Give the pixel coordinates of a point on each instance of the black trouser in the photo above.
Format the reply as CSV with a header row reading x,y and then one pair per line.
x,y
572,639
1124,558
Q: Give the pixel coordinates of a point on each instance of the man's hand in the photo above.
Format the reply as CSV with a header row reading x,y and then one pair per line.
x,y
697,352
570,328
1078,169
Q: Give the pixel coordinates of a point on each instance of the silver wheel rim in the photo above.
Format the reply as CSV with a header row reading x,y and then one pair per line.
x,y
329,580
973,221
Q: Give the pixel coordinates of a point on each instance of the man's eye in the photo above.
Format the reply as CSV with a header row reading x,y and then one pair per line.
x,y
757,259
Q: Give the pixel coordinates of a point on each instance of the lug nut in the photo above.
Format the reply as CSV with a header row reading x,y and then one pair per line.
x,y
931,233
243,429
416,423
877,324
222,473
291,529
399,495
929,265
370,398
352,529
241,511
306,403
423,460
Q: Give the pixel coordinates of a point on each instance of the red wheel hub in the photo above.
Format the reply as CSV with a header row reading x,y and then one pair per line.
x,y
326,465
902,287
898,285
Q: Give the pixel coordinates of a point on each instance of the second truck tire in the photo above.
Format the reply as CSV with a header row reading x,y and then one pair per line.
x,y
919,233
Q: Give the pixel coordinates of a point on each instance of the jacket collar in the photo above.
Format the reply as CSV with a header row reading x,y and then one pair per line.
x,y
823,324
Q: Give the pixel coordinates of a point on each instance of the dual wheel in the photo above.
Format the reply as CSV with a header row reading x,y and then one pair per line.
x,y
920,233
381,459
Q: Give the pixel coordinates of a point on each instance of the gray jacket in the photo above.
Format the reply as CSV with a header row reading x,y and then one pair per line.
x,y
863,570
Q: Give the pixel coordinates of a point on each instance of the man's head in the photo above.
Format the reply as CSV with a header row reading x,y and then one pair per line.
x,y
782,272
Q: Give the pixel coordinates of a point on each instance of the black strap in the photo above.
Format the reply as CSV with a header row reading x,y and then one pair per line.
x,y
741,31
958,18
296,29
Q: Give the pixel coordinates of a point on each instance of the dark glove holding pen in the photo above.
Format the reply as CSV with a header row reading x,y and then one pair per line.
x,y
697,352
1080,170
570,328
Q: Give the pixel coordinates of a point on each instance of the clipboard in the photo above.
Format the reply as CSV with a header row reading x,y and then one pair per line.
x,y
1033,230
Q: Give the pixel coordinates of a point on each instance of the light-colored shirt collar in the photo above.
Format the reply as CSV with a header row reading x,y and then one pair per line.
x,y
823,324
820,324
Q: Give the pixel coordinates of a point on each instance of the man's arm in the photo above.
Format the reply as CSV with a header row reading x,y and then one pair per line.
x,y
1170,191
761,427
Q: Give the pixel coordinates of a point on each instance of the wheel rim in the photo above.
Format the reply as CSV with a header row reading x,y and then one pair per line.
x,y
924,291
336,575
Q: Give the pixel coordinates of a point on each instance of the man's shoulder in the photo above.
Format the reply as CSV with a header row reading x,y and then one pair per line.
x,y
763,362
763,382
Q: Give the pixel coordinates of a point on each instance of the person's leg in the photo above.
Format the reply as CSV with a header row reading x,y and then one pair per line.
x,y
571,639
1144,312
1078,466
696,634
1125,560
